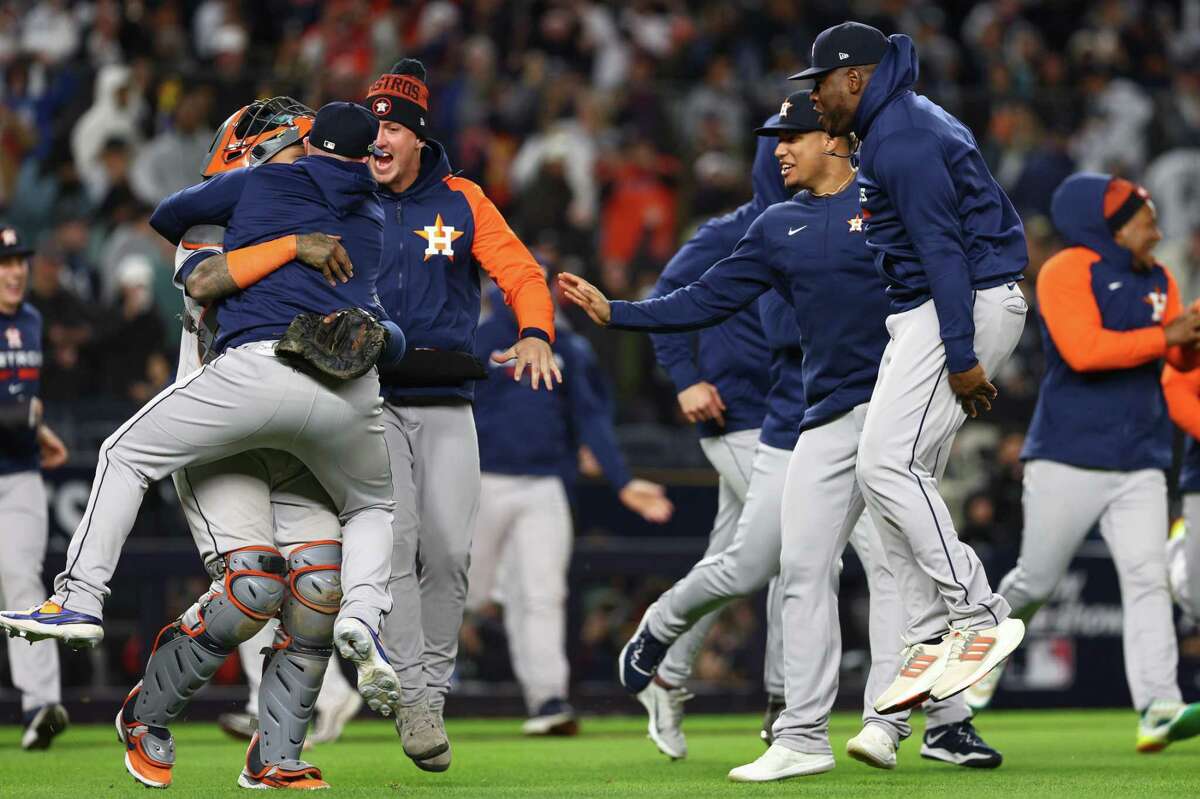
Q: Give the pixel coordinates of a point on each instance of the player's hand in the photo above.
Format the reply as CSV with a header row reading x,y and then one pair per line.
x,y
325,254
534,354
54,451
648,500
701,402
1183,330
972,386
586,296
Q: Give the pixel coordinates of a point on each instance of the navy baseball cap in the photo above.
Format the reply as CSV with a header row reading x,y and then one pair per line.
x,y
796,115
10,243
850,44
345,129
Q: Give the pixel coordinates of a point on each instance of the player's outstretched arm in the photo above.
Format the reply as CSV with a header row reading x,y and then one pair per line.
x,y
224,274
53,451
587,297
534,354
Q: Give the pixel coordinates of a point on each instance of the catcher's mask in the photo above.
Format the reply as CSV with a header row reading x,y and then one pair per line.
x,y
254,133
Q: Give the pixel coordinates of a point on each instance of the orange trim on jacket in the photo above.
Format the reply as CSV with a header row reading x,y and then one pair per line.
x,y
508,261
1182,390
1068,305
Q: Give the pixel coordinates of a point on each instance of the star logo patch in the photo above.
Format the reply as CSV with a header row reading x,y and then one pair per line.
x,y
856,224
381,107
440,238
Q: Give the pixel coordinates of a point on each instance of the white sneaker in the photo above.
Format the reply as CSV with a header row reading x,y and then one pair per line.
x,y
974,653
979,695
874,747
779,763
377,680
921,666
333,714
665,708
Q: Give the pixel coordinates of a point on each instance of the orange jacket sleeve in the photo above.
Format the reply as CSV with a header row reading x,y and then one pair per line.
x,y
1182,358
1072,316
508,261
1182,390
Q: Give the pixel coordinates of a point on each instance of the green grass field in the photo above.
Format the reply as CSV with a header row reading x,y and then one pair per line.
x,y
1082,753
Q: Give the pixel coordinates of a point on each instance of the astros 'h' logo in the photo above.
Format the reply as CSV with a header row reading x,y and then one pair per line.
x,y
440,238
1157,300
13,334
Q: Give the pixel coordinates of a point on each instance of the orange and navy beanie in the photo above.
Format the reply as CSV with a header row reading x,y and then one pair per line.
x,y
402,96
1122,199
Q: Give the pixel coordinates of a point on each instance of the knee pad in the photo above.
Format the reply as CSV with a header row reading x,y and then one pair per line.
x,y
314,595
252,591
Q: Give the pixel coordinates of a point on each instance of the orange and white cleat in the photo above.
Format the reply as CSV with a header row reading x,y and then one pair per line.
x,y
149,751
293,775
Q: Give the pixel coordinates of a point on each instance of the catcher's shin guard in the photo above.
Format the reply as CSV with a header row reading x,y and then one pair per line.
x,y
295,668
190,650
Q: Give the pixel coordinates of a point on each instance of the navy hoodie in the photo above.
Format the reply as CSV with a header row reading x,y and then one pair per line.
x,y
544,437
938,222
1092,416
733,354
315,193
812,250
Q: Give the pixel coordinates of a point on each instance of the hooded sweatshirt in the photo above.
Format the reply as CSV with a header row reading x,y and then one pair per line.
x,y
733,355
1101,404
939,224
785,399
108,118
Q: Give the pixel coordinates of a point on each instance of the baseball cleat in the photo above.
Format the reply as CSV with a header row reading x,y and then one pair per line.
x,y
377,681
664,706
775,706
1165,722
42,724
960,745
974,653
238,725
50,620
289,775
333,715
422,734
149,751
554,717
979,695
874,747
780,763
640,658
921,666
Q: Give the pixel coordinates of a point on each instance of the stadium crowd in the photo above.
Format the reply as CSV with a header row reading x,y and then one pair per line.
x,y
605,132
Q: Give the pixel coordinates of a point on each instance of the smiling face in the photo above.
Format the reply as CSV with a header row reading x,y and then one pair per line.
x,y
801,157
14,276
1140,235
400,161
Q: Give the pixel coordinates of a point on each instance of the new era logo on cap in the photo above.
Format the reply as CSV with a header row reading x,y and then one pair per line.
x,y
850,44
843,56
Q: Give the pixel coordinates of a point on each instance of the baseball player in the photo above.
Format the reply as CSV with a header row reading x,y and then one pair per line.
x,y
1182,392
820,500
244,399
522,547
723,375
1101,433
439,229
26,444
951,250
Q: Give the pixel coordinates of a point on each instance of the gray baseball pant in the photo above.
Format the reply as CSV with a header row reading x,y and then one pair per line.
x,y
1187,560
246,399
24,531
906,436
435,473
732,455
1131,508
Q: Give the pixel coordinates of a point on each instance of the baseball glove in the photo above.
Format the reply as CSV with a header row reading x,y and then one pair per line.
x,y
345,344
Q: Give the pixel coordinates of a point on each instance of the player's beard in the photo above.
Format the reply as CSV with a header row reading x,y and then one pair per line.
x,y
837,122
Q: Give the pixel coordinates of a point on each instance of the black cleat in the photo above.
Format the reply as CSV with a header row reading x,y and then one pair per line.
x,y
959,745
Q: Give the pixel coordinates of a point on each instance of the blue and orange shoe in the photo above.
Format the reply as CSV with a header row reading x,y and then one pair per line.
x,y
51,620
378,684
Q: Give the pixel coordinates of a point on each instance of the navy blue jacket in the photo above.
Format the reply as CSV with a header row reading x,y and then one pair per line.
x,y
208,203
785,400
1089,413
938,222
20,380
731,355
542,435
1189,470
315,193
812,250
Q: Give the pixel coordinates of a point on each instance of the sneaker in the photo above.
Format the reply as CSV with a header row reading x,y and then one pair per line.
x,y
554,717
289,774
974,653
377,681
238,725
333,715
874,747
921,666
780,763
41,725
664,706
149,751
960,745
422,733
775,706
1165,722
50,620
640,658
979,695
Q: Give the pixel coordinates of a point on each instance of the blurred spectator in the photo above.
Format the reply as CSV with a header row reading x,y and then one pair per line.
x,y
1181,254
50,30
638,222
716,101
111,181
117,113
129,350
171,160
1172,179
66,372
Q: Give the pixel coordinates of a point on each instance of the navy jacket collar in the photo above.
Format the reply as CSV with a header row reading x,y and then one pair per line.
x,y
895,75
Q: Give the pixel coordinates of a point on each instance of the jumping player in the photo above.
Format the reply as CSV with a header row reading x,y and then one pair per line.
x,y
439,230
26,444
